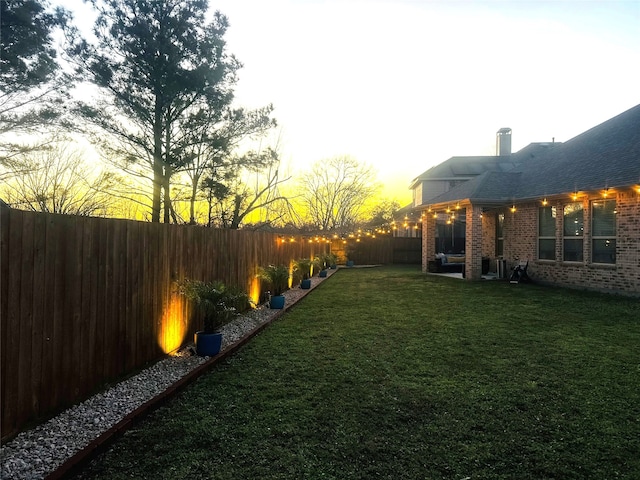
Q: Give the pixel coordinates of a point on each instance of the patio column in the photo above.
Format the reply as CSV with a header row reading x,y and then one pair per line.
x,y
428,240
473,243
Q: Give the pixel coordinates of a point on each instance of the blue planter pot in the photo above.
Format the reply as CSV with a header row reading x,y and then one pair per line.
x,y
305,284
349,263
323,273
333,267
207,344
277,302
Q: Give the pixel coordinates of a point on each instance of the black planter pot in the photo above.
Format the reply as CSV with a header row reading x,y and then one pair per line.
x,y
207,344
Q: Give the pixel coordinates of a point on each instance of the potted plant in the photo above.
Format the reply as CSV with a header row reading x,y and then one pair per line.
x,y
332,259
324,260
216,304
302,272
277,277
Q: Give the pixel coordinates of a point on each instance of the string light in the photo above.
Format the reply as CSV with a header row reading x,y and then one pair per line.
x,y
544,202
513,209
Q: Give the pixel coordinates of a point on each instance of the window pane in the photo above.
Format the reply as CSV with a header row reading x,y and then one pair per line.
x,y
573,225
604,218
547,222
604,251
572,250
547,249
500,226
500,235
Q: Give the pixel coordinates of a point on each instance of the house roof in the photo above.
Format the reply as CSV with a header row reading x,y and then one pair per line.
x,y
607,155
467,167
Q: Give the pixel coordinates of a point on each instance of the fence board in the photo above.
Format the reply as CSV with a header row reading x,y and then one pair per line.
x,y
38,311
86,349
4,293
24,342
12,416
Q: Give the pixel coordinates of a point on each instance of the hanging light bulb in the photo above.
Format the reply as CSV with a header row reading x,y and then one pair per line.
x,y
513,209
544,202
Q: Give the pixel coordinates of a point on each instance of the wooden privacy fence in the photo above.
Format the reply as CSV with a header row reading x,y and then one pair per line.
x,y
381,250
84,300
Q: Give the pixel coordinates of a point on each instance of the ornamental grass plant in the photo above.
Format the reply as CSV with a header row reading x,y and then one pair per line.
x,y
388,373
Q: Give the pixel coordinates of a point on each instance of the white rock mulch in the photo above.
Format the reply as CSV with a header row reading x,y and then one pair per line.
x,y
36,453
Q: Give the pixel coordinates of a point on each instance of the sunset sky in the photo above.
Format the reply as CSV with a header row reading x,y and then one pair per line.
x,y
404,85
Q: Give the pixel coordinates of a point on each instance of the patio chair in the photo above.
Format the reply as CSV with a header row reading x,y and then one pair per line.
x,y
519,273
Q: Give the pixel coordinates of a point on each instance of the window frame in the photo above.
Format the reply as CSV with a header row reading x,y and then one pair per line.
x,y
547,236
599,238
566,237
500,235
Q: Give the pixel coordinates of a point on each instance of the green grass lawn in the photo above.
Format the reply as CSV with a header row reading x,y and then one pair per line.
x,y
388,373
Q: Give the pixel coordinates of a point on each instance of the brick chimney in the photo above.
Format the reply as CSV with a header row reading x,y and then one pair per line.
x,y
503,142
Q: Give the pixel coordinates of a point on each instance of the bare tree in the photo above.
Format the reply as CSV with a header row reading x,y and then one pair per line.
x,y
336,190
233,202
213,136
57,180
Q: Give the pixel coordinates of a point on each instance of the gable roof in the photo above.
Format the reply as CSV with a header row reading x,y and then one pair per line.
x,y
465,167
607,155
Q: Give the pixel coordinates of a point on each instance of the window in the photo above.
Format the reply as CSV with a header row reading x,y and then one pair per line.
x,y
451,231
572,232
500,235
603,231
547,233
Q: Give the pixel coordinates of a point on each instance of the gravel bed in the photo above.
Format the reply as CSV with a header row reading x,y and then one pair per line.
x,y
36,453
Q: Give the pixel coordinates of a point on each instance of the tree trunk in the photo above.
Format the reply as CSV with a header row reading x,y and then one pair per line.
x,y
157,186
192,200
158,171
167,193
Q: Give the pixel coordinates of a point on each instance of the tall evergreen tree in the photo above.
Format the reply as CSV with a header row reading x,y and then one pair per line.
x,y
158,63
32,84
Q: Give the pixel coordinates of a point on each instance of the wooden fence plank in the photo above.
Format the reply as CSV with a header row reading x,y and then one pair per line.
x,y
4,303
25,352
13,411
38,310
89,273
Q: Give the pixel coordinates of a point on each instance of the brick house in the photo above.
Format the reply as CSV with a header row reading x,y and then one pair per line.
x,y
572,209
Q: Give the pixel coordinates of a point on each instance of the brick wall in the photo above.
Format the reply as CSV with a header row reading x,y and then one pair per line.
x,y
520,236
428,239
489,238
